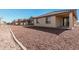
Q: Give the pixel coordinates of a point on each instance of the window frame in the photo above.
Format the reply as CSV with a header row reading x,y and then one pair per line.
x,y
37,21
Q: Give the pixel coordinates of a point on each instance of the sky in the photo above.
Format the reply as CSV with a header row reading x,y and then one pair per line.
x,y
9,15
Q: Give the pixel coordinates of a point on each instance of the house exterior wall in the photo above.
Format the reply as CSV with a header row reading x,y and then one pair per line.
x,y
21,24
56,20
59,22
24,23
16,23
75,22
71,20
42,22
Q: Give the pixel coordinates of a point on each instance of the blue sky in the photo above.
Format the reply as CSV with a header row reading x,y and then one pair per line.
x,y
10,14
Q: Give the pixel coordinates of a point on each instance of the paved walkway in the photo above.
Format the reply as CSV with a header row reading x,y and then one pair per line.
x,y
6,40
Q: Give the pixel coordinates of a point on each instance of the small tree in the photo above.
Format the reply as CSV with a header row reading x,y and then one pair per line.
x,y
31,18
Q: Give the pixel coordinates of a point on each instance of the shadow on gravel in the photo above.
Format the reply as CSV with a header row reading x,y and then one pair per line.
x,y
56,31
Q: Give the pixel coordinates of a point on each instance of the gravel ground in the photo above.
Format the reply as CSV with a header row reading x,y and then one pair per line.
x,y
6,40
35,38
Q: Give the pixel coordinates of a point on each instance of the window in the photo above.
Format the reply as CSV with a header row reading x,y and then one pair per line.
x,y
37,21
47,21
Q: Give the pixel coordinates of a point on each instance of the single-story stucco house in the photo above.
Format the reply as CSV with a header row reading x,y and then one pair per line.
x,y
57,19
23,22
16,22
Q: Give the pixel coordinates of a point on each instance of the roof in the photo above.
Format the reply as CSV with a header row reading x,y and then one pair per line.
x,y
56,12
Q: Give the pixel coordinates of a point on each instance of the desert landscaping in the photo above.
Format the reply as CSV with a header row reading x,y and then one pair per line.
x,y
38,38
56,30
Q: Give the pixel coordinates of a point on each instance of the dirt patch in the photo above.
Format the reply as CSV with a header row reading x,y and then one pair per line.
x,y
6,40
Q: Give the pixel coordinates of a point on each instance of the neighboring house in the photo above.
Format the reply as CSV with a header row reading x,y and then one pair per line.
x,y
26,22
57,19
17,22
30,22
23,22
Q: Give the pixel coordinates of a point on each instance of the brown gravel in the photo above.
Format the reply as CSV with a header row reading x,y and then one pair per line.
x,y
37,38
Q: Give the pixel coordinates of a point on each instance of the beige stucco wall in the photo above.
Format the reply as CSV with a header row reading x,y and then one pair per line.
x,y
59,21
75,21
55,21
26,23
16,23
42,22
71,20
21,23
